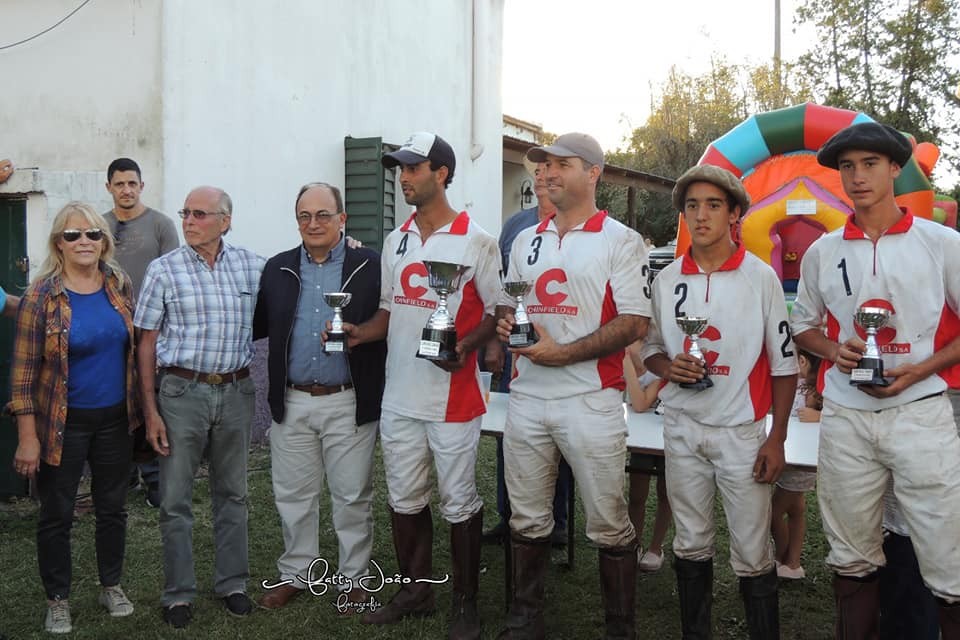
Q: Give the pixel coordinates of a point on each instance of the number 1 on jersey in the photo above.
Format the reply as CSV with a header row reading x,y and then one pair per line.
x,y
843,271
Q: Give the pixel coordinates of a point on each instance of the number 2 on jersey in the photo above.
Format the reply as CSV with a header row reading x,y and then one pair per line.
x,y
784,329
680,290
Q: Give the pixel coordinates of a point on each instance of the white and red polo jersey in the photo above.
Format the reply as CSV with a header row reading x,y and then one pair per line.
x,y
913,270
747,340
598,270
416,387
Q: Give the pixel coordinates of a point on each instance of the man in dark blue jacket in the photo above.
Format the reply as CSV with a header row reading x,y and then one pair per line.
x,y
325,404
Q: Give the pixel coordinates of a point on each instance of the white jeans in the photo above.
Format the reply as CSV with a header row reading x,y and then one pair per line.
x,y
917,444
318,439
699,460
590,431
409,444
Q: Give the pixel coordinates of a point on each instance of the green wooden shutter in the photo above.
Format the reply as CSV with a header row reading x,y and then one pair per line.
x,y
369,191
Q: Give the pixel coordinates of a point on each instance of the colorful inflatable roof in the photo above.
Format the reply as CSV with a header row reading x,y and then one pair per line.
x,y
794,199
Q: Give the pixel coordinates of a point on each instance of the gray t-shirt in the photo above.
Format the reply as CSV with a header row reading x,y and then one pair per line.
x,y
141,240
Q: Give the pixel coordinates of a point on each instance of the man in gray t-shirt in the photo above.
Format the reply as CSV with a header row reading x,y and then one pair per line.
x,y
142,234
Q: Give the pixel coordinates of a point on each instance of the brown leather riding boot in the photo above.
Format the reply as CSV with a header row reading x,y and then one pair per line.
x,y
858,607
695,588
413,543
949,620
465,552
618,589
531,557
762,605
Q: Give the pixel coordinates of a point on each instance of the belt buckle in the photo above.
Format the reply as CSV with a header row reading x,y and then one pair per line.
x,y
214,378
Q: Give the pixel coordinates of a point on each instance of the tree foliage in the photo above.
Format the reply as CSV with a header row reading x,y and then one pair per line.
x,y
686,114
895,60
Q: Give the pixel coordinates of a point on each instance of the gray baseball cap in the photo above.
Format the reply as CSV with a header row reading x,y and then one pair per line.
x,y
570,145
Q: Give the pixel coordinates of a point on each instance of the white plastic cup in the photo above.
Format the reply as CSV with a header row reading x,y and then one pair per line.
x,y
486,379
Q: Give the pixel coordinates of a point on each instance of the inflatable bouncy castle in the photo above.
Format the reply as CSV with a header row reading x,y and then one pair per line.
x,y
794,200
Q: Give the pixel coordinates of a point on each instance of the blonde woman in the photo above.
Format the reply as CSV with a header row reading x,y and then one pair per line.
x,y
74,396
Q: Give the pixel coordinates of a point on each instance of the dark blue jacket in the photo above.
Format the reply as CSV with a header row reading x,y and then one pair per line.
x,y
277,307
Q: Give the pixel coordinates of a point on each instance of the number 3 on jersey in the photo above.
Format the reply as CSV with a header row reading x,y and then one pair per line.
x,y
534,250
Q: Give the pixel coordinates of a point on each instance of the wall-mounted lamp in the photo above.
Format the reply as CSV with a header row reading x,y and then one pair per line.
x,y
526,194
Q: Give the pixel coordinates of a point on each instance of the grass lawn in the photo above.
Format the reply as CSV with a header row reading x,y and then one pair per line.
x,y
573,599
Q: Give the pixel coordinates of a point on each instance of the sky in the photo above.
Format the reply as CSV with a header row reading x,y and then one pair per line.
x,y
591,66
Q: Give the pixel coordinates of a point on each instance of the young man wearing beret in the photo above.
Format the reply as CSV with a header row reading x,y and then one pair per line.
x,y
715,437
884,257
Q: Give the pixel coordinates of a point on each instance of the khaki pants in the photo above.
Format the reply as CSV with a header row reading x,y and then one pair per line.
x,y
590,431
916,444
701,459
409,445
319,440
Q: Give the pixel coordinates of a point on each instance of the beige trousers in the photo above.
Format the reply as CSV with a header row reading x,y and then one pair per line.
x,y
590,431
917,445
701,459
409,445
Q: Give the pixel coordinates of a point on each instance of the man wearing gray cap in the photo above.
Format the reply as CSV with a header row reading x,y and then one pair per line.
x,y
714,434
431,410
588,302
901,427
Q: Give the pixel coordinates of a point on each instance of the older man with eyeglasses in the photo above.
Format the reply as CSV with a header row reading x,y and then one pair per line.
x,y
195,315
325,401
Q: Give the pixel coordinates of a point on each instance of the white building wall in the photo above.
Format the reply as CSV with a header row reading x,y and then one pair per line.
x,y
255,97
84,93
259,107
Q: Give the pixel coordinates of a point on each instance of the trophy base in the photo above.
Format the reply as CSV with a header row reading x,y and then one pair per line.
x,y
336,342
869,373
438,344
523,335
699,385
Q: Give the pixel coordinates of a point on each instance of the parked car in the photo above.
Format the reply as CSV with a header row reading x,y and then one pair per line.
x,y
660,257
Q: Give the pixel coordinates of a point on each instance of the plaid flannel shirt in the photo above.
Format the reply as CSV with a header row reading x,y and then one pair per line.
x,y
204,315
41,353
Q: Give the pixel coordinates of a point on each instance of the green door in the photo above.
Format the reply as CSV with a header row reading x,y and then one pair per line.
x,y
13,278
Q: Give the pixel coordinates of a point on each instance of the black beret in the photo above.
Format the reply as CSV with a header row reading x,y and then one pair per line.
x,y
866,136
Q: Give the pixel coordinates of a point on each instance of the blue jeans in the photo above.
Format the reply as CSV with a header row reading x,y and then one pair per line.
x,y
100,437
198,414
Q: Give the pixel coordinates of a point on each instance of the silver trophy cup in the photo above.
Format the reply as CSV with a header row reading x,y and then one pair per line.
x,y
693,327
336,338
522,333
869,370
438,340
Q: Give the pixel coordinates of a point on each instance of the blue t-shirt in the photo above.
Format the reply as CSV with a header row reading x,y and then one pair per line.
x,y
97,354
3,299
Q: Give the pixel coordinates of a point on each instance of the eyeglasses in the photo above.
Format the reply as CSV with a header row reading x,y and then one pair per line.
x,y
198,214
324,217
72,235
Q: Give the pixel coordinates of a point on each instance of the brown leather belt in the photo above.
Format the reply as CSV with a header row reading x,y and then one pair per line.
x,y
209,378
321,389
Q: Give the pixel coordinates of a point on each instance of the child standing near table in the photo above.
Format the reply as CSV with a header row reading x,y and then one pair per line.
x,y
789,523
642,387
